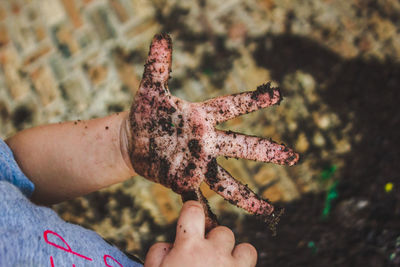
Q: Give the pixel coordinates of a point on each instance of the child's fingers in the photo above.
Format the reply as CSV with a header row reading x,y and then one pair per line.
x,y
245,254
156,254
210,219
225,108
191,222
222,238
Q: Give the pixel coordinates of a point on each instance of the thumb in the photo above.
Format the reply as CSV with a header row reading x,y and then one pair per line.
x,y
156,254
190,223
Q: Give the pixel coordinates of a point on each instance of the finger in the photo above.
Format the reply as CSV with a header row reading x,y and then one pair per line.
x,y
158,64
210,218
156,254
235,192
228,107
245,254
222,238
191,222
237,145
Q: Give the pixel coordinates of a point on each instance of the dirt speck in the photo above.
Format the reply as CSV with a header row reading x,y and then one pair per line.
x,y
194,147
212,171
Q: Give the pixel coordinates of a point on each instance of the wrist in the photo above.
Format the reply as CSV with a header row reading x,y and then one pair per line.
x,y
125,136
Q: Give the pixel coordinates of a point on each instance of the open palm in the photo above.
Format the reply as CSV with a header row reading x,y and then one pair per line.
x,y
175,143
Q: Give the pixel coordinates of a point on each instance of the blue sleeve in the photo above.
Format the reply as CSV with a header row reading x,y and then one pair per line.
x,y
10,172
32,235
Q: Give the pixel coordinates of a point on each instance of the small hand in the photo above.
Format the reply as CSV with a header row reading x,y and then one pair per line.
x,y
175,143
192,248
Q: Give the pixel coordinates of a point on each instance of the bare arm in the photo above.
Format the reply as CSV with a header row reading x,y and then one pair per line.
x,y
71,159
165,139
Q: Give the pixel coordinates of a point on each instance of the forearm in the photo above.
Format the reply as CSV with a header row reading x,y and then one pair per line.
x,y
71,159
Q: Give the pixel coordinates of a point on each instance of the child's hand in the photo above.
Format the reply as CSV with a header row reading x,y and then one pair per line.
x,y
175,143
192,248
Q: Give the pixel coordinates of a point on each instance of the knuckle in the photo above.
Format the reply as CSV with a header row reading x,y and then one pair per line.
x,y
222,233
248,249
225,231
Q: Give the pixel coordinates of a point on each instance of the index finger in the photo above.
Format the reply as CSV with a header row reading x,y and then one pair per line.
x,y
191,222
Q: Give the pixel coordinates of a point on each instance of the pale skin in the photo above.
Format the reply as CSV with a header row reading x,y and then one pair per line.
x,y
175,143
164,139
192,247
75,158
71,159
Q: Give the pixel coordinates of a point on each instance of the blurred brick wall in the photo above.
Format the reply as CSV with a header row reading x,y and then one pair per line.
x,y
67,59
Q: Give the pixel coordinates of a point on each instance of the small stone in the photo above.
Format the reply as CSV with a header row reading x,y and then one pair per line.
x,y
319,139
273,193
302,143
322,120
237,33
343,146
292,126
308,84
265,175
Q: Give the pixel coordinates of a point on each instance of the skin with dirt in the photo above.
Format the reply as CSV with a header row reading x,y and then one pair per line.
x,y
174,142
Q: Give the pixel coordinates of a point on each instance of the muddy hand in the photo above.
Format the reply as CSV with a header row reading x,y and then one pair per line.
x,y
175,143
